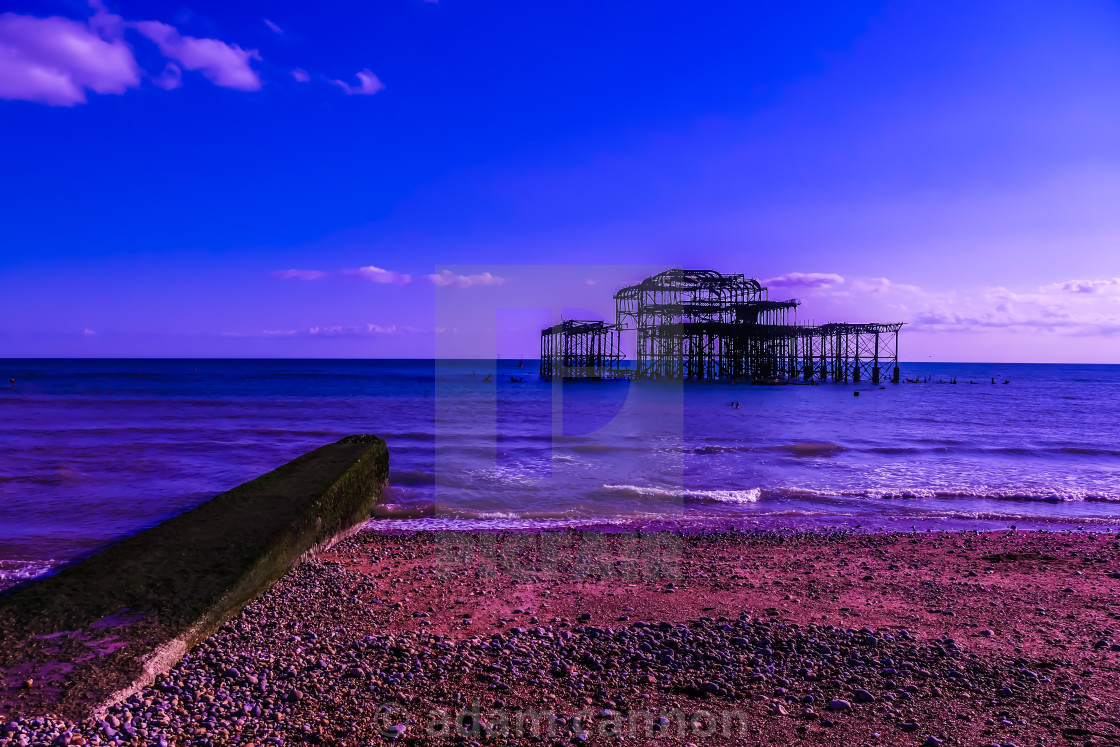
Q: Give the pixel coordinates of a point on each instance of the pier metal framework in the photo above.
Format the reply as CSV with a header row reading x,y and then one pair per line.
x,y
578,349
702,324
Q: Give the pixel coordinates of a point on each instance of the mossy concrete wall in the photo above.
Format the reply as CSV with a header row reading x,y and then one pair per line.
x,y
102,628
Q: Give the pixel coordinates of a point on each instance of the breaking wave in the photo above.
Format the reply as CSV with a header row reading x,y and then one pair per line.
x,y
750,495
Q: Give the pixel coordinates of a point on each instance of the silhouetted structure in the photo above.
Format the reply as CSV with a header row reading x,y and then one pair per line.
x,y
702,324
578,349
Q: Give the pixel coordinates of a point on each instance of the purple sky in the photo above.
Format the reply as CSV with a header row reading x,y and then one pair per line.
x,y
403,178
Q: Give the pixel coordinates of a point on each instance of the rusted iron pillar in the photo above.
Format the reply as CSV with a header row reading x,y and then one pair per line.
x,y
875,366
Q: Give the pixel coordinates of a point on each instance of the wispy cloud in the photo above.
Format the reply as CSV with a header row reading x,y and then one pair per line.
x,y
448,279
880,285
368,83
89,332
348,330
301,75
380,275
170,78
1073,308
374,274
272,26
226,65
805,280
300,274
1106,285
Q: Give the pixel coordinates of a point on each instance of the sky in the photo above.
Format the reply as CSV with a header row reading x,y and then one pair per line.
x,y
406,178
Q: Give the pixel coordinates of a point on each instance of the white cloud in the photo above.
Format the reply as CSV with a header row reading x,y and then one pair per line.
x,y
57,61
88,332
368,84
882,285
448,279
808,280
226,65
338,330
1106,285
1073,308
300,274
380,275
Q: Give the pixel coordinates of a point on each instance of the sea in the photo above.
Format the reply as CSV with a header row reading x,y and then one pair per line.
x,y
92,451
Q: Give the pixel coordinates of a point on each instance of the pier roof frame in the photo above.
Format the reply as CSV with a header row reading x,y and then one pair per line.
x,y
695,281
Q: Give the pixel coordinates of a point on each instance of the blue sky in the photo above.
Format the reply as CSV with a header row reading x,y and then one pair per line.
x,y
953,165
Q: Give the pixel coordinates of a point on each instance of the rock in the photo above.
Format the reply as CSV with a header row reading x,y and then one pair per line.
x,y
932,741
396,731
862,696
839,704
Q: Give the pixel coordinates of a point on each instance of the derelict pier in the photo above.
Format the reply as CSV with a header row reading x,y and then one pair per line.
x,y
706,325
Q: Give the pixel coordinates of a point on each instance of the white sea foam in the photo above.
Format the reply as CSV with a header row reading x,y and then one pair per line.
x,y
16,571
750,495
488,521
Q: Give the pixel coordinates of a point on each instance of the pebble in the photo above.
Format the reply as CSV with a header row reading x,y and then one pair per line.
x,y
244,678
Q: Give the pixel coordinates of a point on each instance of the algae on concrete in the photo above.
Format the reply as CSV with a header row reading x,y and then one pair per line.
x,y
104,625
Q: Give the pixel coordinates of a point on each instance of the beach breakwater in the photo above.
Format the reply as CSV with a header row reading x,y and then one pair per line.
x,y
102,628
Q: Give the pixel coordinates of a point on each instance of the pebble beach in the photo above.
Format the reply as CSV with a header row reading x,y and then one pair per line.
x,y
578,637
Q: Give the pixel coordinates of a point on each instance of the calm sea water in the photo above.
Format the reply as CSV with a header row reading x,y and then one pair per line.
x,y
94,450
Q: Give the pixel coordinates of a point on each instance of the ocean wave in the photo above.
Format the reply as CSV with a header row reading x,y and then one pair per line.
x,y
1048,494
1012,518
1088,451
411,477
811,449
413,436
460,524
602,448
766,521
750,495
13,572
439,510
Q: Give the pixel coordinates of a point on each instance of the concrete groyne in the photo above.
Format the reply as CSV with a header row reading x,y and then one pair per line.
x,y
107,625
